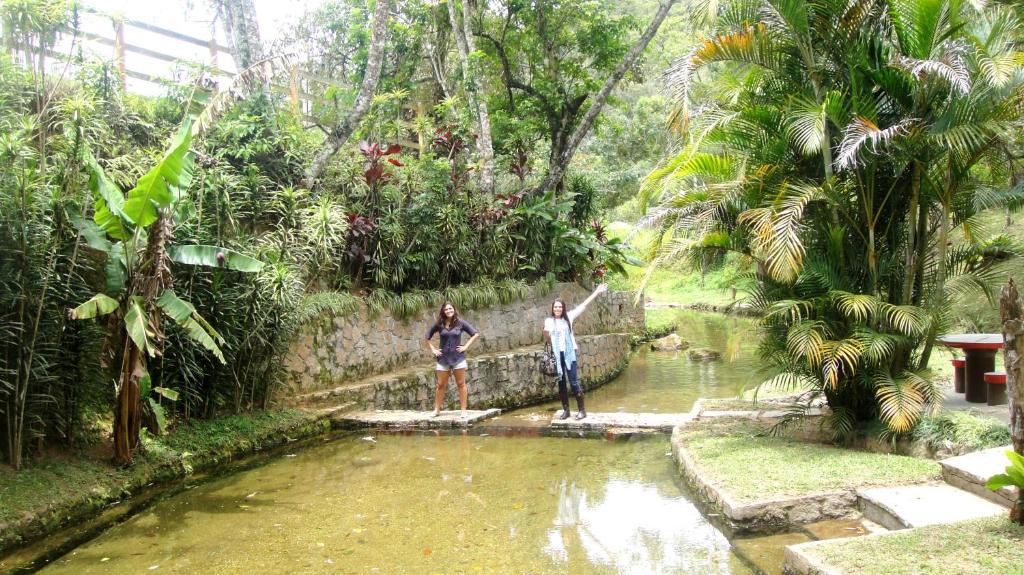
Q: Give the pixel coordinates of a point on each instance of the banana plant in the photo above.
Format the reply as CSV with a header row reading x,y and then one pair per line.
x,y
133,232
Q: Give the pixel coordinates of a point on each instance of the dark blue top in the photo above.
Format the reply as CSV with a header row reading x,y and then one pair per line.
x,y
451,338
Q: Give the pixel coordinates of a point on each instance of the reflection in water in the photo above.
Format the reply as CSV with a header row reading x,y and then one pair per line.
x,y
427,504
635,529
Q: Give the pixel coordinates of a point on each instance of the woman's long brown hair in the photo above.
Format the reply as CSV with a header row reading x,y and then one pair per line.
x,y
565,313
442,321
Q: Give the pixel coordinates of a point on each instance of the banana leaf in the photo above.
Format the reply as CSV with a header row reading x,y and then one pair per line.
x,y
99,304
197,328
197,255
109,200
161,185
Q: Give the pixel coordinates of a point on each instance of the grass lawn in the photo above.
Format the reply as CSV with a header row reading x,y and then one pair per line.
x,y
675,285
978,547
751,467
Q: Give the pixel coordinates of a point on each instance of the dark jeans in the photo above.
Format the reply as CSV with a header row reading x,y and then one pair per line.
x,y
568,372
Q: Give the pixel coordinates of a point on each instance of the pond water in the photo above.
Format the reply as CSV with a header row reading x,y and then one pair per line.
x,y
428,503
669,382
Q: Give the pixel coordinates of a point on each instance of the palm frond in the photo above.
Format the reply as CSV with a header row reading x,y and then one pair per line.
x,y
899,401
862,133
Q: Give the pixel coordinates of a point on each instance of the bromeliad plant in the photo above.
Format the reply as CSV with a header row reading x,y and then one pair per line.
x,y
134,234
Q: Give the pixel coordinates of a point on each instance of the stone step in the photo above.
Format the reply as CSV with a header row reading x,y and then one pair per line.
x,y
405,419
603,421
972,471
336,409
926,504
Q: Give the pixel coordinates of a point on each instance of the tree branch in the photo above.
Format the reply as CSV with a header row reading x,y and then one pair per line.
x,y
340,133
557,169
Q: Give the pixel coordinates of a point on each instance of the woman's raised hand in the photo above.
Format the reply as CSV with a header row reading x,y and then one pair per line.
x,y
601,288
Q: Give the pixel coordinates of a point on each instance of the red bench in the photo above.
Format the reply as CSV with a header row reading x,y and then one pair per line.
x,y
958,374
995,381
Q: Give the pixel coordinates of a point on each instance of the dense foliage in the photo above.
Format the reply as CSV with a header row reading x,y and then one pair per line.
x,y
397,219
845,149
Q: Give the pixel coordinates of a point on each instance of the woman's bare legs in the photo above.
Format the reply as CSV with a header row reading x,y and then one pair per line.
x,y
460,382
442,387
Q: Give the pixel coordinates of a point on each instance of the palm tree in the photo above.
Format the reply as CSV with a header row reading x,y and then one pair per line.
x,y
838,146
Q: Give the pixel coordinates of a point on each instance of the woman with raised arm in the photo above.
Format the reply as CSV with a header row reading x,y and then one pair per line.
x,y
558,331
451,356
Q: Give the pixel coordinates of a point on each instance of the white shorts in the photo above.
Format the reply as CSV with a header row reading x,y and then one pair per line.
x,y
445,367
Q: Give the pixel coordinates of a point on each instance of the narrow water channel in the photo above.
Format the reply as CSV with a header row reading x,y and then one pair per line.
x,y
395,504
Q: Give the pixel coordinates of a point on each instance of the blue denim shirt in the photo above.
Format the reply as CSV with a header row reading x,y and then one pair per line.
x,y
451,338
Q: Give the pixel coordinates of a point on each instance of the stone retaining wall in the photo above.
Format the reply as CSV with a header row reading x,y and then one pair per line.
x,y
335,350
764,516
503,380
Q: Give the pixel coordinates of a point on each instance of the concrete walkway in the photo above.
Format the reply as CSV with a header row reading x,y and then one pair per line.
x,y
403,419
602,421
955,401
972,471
919,505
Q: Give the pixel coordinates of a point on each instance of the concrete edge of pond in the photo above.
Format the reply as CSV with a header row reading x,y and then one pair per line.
x,y
71,513
763,516
799,562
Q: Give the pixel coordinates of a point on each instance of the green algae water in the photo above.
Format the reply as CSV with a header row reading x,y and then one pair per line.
x,y
451,504
427,504
669,381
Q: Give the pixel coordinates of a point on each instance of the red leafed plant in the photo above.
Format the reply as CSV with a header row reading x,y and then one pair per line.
x,y
361,227
373,169
449,143
359,230
520,164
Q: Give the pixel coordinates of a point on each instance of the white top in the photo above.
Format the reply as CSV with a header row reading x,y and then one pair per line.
x,y
559,330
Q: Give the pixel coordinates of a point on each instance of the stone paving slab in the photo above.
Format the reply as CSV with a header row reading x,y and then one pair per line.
x,y
758,413
955,401
602,421
919,505
970,472
404,419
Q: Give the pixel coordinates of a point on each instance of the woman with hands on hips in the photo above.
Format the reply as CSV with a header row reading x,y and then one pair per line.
x,y
451,355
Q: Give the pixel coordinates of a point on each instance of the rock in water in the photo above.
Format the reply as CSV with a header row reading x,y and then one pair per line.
x,y
703,354
670,342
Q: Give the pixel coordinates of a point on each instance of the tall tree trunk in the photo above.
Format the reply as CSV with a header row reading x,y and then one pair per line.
x,y
912,239
467,45
557,169
242,30
939,296
127,410
340,133
1012,318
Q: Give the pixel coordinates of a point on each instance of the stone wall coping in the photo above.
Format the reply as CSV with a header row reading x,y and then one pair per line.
x,y
799,562
763,514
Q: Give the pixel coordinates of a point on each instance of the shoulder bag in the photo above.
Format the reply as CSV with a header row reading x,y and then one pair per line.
x,y
547,361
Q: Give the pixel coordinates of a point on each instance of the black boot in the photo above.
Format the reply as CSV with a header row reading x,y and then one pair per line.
x,y
579,403
563,394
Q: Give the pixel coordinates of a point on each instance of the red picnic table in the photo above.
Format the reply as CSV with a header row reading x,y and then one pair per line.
x,y
980,353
